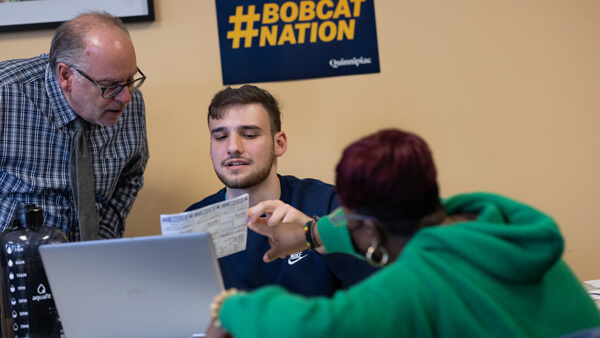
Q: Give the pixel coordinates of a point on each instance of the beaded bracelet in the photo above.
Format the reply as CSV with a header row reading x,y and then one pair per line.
x,y
215,306
309,233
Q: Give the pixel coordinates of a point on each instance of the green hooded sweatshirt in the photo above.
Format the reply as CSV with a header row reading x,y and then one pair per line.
x,y
500,275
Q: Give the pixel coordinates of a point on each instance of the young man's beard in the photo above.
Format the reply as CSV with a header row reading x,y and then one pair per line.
x,y
251,179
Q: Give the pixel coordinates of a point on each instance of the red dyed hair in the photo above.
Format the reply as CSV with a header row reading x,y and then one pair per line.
x,y
389,175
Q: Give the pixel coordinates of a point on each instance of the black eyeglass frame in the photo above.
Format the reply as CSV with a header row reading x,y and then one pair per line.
x,y
128,84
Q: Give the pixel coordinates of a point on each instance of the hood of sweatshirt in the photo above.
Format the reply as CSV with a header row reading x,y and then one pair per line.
x,y
508,240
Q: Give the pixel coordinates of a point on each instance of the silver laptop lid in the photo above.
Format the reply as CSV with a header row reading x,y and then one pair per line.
x,y
154,286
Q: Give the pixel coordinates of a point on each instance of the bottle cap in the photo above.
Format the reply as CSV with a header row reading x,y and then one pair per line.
x,y
29,215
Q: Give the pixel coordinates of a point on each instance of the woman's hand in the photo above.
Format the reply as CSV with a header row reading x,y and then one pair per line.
x,y
283,226
285,239
217,331
276,212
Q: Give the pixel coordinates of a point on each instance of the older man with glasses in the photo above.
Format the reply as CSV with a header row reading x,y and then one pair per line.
x,y
89,78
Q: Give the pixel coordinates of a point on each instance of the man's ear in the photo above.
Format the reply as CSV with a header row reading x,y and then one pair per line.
x,y
65,77
280,141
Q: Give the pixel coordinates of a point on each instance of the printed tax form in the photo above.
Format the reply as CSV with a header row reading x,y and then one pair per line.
x,y
225,221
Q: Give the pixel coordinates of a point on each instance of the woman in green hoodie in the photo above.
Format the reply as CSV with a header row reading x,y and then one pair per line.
x,y
473,265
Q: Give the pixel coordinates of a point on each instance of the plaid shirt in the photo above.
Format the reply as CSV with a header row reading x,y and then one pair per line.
x,y
35,145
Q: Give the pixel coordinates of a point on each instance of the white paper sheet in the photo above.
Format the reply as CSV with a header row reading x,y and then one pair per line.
x,y
595,283
225,221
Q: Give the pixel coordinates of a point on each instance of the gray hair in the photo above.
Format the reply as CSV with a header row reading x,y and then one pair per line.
x,y
69,39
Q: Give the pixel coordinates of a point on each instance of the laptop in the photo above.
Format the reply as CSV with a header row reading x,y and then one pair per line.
x,y
152,286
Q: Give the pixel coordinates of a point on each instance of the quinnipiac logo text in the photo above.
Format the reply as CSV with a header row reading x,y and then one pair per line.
x,y
336,21
333,63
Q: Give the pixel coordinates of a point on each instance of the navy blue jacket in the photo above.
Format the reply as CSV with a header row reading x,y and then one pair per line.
x,y
307,273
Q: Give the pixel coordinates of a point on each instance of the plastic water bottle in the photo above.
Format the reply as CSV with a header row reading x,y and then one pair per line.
x,y
27,307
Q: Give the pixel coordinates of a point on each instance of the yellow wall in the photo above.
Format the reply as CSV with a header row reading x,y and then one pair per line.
x,y
506,93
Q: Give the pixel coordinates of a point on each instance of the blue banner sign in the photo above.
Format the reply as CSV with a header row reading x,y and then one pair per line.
x,y
263,41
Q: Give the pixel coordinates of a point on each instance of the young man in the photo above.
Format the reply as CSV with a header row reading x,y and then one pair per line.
x,y
246,140
90,77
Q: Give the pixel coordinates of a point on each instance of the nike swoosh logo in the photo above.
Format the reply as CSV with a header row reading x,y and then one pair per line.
x,y
295,258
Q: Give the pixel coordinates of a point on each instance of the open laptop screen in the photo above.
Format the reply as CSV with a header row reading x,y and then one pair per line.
x,y
153,286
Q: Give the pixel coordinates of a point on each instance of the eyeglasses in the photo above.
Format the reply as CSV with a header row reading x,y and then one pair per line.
x,y
338,218
114,90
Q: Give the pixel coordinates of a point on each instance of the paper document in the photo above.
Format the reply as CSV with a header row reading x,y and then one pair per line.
x,y
595,283
225,221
